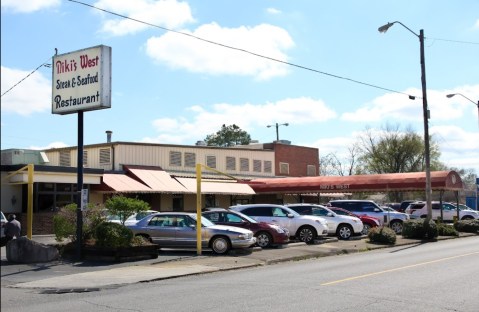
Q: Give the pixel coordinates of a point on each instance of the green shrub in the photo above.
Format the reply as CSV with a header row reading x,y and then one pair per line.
x,y
124,206
446,230
467,226
419,229
113,235
65,222
383,235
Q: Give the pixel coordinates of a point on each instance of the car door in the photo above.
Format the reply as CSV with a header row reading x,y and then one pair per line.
x,y
332,220
280,217
161,230
185,232
448,212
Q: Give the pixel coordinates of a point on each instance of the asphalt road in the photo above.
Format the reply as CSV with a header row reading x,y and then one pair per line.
x,y
439,276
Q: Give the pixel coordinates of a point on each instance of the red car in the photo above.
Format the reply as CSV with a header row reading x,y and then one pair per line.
x,y
367,221
266,234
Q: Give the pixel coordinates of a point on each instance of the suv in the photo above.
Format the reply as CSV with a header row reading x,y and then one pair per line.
x,y
304,228
449,211
370,208
266,234
342,226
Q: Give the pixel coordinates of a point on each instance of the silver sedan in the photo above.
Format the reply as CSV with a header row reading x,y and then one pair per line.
x,y
178,230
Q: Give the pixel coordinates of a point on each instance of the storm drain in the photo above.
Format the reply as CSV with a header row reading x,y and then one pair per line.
x,y
69,290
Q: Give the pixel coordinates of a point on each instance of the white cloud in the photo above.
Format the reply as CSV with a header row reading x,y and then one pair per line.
x,y
29,6
181,51
166,13
476,25
273,11
395,106
33,94
51,145
456,142
246,116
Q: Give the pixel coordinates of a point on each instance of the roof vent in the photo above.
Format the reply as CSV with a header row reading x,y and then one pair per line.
x,y
108,136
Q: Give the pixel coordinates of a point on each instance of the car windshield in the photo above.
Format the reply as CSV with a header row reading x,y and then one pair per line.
x,y
291,211
204,220
464,207
249,219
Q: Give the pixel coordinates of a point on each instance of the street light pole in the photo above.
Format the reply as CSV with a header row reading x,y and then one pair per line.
x,y
425,109
477,104
277,126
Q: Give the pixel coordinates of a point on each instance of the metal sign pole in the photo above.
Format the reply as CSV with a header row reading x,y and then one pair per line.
x,y
79,184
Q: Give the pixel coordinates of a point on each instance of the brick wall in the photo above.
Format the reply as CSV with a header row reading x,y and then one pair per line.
x,y
42,223
298,158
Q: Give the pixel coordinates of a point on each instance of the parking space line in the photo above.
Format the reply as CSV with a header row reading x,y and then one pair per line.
x,y
396,269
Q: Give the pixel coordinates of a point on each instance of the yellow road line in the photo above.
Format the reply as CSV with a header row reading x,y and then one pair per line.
x,y
396,269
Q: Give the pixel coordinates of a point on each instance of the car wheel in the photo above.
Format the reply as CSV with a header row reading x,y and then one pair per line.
x,y
344,231
306,234
396,226
264,239
366,229
220,245
467,218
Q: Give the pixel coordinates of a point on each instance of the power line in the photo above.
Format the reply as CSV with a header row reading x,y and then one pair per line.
x,y
449,40
249,52
43,64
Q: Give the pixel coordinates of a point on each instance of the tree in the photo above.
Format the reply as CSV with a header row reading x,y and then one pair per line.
x,y
228,136
394,151
331,164
125,206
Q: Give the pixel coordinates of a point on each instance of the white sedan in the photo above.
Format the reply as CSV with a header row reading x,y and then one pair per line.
x,y
342,226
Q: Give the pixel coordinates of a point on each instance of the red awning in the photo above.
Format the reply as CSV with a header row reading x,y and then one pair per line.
x,y
413,181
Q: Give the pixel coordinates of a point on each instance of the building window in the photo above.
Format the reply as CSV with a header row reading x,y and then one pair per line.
x,y
268,166
211,161
85,158
105,156
178,202
244,164
175,158
283,168
190,159
311,170
230,163
65,159
257,165
210,200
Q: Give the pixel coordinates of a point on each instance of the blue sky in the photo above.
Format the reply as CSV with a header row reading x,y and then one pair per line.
x,y
174,89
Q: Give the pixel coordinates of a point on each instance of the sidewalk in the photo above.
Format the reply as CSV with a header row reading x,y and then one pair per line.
x,y
188,263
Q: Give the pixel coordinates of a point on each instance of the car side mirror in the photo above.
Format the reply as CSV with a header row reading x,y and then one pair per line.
x,y
330,214
290,215
377,210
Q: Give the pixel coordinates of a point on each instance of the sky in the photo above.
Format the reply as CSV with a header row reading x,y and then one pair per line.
x,y
182,69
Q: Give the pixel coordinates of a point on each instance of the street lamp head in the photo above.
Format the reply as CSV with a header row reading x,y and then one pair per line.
x,y
286,124
451,95
385,28
269,126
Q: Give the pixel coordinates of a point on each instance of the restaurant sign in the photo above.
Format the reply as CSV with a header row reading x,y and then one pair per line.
x,y
81,80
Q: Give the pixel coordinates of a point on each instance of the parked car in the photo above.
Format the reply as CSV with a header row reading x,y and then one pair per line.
x,y
4,221
178,230
369,208
131,220
368,222
404,205
449,211
303,228
342,226
266,234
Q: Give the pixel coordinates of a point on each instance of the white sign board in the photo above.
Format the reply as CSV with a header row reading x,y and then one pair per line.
x,y
84,199
81,80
